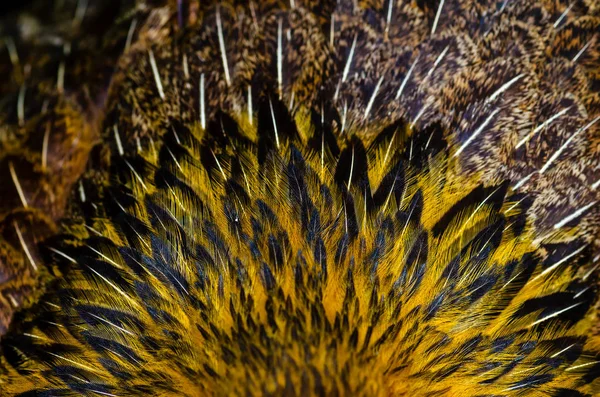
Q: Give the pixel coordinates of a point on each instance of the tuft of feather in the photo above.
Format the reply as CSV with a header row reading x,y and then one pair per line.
x,y
251,262
309,198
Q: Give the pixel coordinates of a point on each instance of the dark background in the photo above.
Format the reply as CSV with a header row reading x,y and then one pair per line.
x,y
8,6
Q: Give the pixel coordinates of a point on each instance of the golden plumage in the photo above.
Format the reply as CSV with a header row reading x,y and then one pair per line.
x,y
316,199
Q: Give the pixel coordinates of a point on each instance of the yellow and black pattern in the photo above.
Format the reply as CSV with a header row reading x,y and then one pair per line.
x,y
353,197
276,259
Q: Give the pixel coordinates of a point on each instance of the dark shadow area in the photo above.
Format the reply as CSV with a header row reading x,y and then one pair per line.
x,y
8,7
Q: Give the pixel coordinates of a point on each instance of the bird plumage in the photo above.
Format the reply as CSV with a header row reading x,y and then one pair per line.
x,y
252,226
266,260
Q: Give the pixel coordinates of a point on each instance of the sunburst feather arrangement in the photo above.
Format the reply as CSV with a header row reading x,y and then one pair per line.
x,y
304,199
